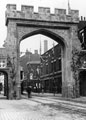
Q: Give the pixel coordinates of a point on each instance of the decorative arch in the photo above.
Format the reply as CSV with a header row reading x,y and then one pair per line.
x,y
56,38
58,26
47,33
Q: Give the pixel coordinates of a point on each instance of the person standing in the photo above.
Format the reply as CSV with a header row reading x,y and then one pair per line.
x,y
29,91
0,87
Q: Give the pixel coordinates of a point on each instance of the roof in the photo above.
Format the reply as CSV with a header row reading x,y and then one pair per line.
x,y
56,46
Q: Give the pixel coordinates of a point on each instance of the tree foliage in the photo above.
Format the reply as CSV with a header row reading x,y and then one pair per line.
x,y
75,63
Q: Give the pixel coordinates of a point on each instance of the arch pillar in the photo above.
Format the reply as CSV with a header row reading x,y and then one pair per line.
x,y
68,82
18,84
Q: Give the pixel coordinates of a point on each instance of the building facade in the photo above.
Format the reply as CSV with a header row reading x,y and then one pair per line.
x,y
82,69
33,76
82,32
4,71
3,58
28,57
51,71
30,63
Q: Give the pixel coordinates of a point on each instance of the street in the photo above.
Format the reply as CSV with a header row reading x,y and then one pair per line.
x,y
36,108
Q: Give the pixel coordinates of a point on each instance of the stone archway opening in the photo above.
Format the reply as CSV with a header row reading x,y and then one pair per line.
x,y
4,84
48,33
55,81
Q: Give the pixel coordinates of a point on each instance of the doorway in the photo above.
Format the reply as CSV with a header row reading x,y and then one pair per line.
x,y
82,78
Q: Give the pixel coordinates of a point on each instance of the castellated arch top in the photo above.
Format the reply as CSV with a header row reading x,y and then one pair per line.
x,y
27,12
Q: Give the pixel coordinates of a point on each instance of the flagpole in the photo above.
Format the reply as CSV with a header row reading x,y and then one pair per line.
x,y
69,9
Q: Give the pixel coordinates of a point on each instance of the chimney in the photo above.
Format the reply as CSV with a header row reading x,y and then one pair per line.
x,y
45,45
81,18
84,18
35,51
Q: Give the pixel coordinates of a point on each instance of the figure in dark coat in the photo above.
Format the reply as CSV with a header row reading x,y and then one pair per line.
x,y
0,87
28,91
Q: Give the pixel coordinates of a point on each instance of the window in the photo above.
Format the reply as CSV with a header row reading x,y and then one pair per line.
x,y
59,64
3,61
47,69
31,76
54,66
3,65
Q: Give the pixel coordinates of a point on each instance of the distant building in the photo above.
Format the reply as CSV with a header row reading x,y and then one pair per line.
x,y
3,58
82,70
33,70
82,32
32,76
28,57
51,73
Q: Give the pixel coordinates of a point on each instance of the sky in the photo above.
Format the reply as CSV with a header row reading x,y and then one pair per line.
x,y
74,4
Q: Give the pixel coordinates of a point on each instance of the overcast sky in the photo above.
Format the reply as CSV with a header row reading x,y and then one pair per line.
x,y
74,4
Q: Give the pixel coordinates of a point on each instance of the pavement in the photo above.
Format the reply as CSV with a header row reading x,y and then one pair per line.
x,y
59,96
43,107
74,104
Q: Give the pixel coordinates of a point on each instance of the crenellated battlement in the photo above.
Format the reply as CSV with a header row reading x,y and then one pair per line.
x,y
44,14
11,7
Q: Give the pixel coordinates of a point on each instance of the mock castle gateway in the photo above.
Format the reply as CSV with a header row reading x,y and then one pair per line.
x,y
58,26
27,12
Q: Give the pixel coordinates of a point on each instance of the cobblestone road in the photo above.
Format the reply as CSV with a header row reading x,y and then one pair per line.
x,y
33,109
